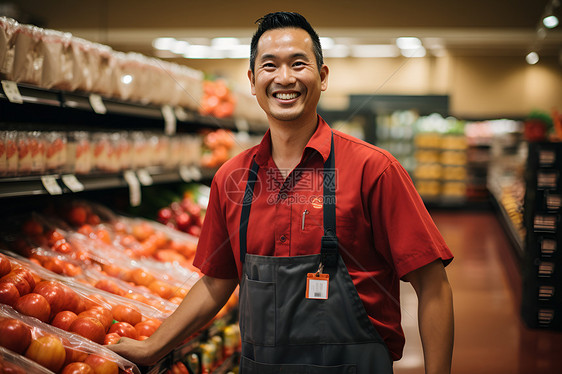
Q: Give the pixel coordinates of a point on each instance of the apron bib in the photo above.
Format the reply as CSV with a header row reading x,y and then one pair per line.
x,y
285,332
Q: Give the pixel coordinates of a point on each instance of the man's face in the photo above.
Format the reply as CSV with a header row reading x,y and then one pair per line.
x,y
286,80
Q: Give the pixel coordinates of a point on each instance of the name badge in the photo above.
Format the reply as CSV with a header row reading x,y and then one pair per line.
x,y
317,286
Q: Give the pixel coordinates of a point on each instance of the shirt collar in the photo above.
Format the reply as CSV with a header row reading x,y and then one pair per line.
x,y
320,141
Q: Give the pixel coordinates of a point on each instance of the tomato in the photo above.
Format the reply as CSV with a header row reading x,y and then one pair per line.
x,y
71,299
73,355
9,294
19,280
111,338
77,368
109,286
86,230
5,265
47,351
179,368
64,319
124,329
34,305
88,327
62,246
14,335
106,317
53,237
32,228
126,313
162,289
102,365
145,328
53,293
77,215
99,315
141,277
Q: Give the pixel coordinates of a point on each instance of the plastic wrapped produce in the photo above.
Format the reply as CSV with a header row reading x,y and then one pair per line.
x,y
28,59
58,64
56,151
10,141
102,64
7,46
79,153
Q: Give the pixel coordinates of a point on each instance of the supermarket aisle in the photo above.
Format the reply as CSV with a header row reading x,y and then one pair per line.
x,y
489,336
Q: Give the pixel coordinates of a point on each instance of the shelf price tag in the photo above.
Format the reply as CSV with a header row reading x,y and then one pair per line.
x,y
185,174
169,120
134,187
97,104
144,177
12,92
51,185
72,183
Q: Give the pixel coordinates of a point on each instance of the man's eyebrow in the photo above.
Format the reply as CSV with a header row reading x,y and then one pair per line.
x,y
294,55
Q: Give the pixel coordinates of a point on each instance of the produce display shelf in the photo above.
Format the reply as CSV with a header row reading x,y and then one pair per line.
x,y
508,226
42,184
30,103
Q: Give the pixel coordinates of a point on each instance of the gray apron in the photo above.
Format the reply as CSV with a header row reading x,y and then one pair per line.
x,y
284,332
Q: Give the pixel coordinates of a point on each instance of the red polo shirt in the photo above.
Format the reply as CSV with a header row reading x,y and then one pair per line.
x,y
383,227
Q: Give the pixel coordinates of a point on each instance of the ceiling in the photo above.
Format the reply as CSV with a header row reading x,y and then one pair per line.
x,y
476,27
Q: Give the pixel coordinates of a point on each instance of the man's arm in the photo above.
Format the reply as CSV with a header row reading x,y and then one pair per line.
x,y
201,304
435,316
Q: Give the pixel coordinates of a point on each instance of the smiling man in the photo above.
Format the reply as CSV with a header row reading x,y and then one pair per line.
x,y
326,229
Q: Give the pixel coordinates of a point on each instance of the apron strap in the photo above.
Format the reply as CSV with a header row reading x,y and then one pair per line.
x,y
246,205
329,243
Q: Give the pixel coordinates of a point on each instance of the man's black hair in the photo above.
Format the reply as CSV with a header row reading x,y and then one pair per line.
x,y
280,20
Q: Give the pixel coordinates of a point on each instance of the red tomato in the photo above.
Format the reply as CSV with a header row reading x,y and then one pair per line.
x,y
32,228
124,329
71,299
77,215
56,265
34,305
162,289
126,313
8,294
78,368
5,265
74,355
145,328
62,246
141,277
109,286
111,338
88,327
53,293
64,319
102,365
102,314
19,280
47,351
179,368
53,237
14,335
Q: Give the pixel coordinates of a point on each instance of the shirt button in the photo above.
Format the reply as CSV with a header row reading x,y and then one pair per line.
x,y
283,238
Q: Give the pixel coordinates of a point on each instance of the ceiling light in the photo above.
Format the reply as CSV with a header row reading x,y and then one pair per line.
x,y
374,50
417,52
327,43
163,44
179,47
408,42
532,58
224,43
550,21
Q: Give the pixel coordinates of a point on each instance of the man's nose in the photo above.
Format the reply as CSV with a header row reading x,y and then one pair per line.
x,y
285,75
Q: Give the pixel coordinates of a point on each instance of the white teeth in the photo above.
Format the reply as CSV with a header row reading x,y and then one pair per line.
x,y
286,96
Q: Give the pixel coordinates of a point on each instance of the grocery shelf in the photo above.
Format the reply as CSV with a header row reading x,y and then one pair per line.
x,y
71,183
28,103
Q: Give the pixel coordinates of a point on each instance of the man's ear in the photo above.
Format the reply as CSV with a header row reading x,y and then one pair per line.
x,y
252,82
324,72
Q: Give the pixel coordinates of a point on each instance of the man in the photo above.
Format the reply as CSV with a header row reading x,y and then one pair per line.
x,y
319,240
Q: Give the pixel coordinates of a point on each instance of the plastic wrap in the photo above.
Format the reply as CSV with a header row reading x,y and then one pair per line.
x,y
79,152
58,64
14,363
76,347
7,46
28,59
102,64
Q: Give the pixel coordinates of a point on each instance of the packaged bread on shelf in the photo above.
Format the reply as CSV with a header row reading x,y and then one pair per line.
x,y
7,45
58,64
28,60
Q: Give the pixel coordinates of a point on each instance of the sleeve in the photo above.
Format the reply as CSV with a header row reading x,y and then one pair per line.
x,y
214,255
402,227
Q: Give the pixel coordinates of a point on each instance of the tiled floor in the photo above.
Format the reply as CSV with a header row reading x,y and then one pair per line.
x,y
489,334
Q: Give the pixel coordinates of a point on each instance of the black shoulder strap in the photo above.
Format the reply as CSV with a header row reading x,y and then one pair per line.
x,y
329,248
246,205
